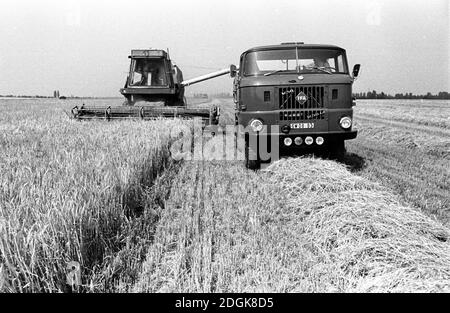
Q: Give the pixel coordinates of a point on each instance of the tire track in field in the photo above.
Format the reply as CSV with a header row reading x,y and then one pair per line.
x,y
432,130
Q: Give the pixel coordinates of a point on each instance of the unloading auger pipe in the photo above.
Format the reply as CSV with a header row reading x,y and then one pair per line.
x,y
231,70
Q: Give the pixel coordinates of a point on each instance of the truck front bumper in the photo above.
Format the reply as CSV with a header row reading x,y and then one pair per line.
x,y
330,135
347,135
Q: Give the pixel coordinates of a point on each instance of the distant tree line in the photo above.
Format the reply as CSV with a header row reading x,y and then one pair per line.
x,y
223,95
375,95
443,95
201,95
23,96
51,97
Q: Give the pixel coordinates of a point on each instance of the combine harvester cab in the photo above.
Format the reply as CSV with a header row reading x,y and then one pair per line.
x,y
153,78
154,89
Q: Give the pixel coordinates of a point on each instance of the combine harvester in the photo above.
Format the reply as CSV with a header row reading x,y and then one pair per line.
x,y
155,88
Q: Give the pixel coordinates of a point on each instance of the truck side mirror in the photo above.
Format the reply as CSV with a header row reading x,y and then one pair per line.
x,y
356,70
233,70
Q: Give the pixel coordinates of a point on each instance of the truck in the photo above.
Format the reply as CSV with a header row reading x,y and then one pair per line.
x,y
294,97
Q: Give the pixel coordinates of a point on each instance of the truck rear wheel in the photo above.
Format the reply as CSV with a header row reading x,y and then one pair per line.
x,y
252,160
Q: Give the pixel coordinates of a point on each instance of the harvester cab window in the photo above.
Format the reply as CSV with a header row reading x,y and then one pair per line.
x,y
148,72
267,62
137,79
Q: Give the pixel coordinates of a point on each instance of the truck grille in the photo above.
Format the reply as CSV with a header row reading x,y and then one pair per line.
x,y
291,115
287,97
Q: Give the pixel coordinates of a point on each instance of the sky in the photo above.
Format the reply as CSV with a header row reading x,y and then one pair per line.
x,y
81,47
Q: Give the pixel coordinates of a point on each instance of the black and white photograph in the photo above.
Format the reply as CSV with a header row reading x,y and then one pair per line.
x,y
223,153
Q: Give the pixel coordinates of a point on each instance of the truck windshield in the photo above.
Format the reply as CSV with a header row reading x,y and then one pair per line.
x,y
270,62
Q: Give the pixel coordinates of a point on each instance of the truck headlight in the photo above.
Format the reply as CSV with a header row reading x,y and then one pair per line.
x,y
256,125
285,129
345,122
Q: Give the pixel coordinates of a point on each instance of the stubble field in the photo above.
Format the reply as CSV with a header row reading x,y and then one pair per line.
x,y
405,145
111,197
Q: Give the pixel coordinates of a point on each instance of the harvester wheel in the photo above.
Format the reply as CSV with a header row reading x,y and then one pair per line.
x,y
128,103
252,160
214,115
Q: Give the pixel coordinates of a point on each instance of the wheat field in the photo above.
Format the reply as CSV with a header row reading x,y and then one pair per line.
x,y
110,196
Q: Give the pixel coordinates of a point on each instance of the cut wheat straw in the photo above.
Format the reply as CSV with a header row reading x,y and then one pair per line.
x,y
368,238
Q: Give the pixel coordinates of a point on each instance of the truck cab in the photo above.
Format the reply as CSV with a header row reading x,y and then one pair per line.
x,y
299,93
153,78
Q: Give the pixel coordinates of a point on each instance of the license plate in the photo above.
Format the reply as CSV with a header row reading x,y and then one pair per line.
x,y
302,125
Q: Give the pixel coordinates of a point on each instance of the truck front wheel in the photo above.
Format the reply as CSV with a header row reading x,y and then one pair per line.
x,y
337,150
252,160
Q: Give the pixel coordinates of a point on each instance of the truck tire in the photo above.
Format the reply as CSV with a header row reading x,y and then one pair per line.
x,y
251,163
337,150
